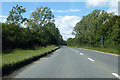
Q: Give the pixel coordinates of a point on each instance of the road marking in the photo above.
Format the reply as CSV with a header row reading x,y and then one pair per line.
x,y
116,75
76,51
57,50
81,53
72,49
101,52
91,59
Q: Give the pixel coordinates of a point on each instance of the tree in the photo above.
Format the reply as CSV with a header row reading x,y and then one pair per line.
x,y
15,15
86,30
71,42
42,21
40,17
40,31
90,28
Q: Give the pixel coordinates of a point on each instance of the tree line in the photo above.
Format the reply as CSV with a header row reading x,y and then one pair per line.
x,y
97,29
40,29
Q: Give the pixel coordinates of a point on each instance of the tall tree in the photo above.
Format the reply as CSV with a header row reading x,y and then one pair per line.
x,y
15,15
86,30
40,17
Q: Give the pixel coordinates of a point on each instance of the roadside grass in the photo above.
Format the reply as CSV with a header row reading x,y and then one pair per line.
x,y
17,56
108,50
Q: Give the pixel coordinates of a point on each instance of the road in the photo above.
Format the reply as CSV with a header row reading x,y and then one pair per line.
x,y
68,62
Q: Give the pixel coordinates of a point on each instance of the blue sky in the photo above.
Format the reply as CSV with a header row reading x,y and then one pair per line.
x,y
31,6
67,14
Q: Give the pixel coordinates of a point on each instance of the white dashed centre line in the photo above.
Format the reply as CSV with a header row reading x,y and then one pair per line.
x,y
116,75
81,53
76,51
91,59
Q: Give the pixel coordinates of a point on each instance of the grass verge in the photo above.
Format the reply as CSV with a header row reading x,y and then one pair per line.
x,y
19,58
108,50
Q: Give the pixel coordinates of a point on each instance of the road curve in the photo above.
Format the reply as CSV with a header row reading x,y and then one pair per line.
x,y
68,62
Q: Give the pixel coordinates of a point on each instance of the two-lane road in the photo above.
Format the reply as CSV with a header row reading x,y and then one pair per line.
x,y
69,62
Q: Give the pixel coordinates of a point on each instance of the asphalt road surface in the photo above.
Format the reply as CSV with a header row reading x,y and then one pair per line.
x,y
68,62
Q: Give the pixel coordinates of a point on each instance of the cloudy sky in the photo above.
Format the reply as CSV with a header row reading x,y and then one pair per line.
x,y
67,14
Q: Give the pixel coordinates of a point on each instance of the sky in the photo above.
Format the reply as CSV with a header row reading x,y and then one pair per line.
x,y
67,14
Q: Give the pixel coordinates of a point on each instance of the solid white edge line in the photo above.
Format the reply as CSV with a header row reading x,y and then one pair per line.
x,y
57,50
81,53
101,52
91,59
116,75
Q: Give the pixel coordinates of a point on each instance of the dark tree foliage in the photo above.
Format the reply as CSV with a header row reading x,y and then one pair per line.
x,y
71,42
64,42
40,31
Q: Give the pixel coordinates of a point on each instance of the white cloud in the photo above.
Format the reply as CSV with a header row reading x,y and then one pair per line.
x,y
66,25
65,11
3,16
24,25
95,3
74,10
30,11
112,4
3,20
119,8
59,11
